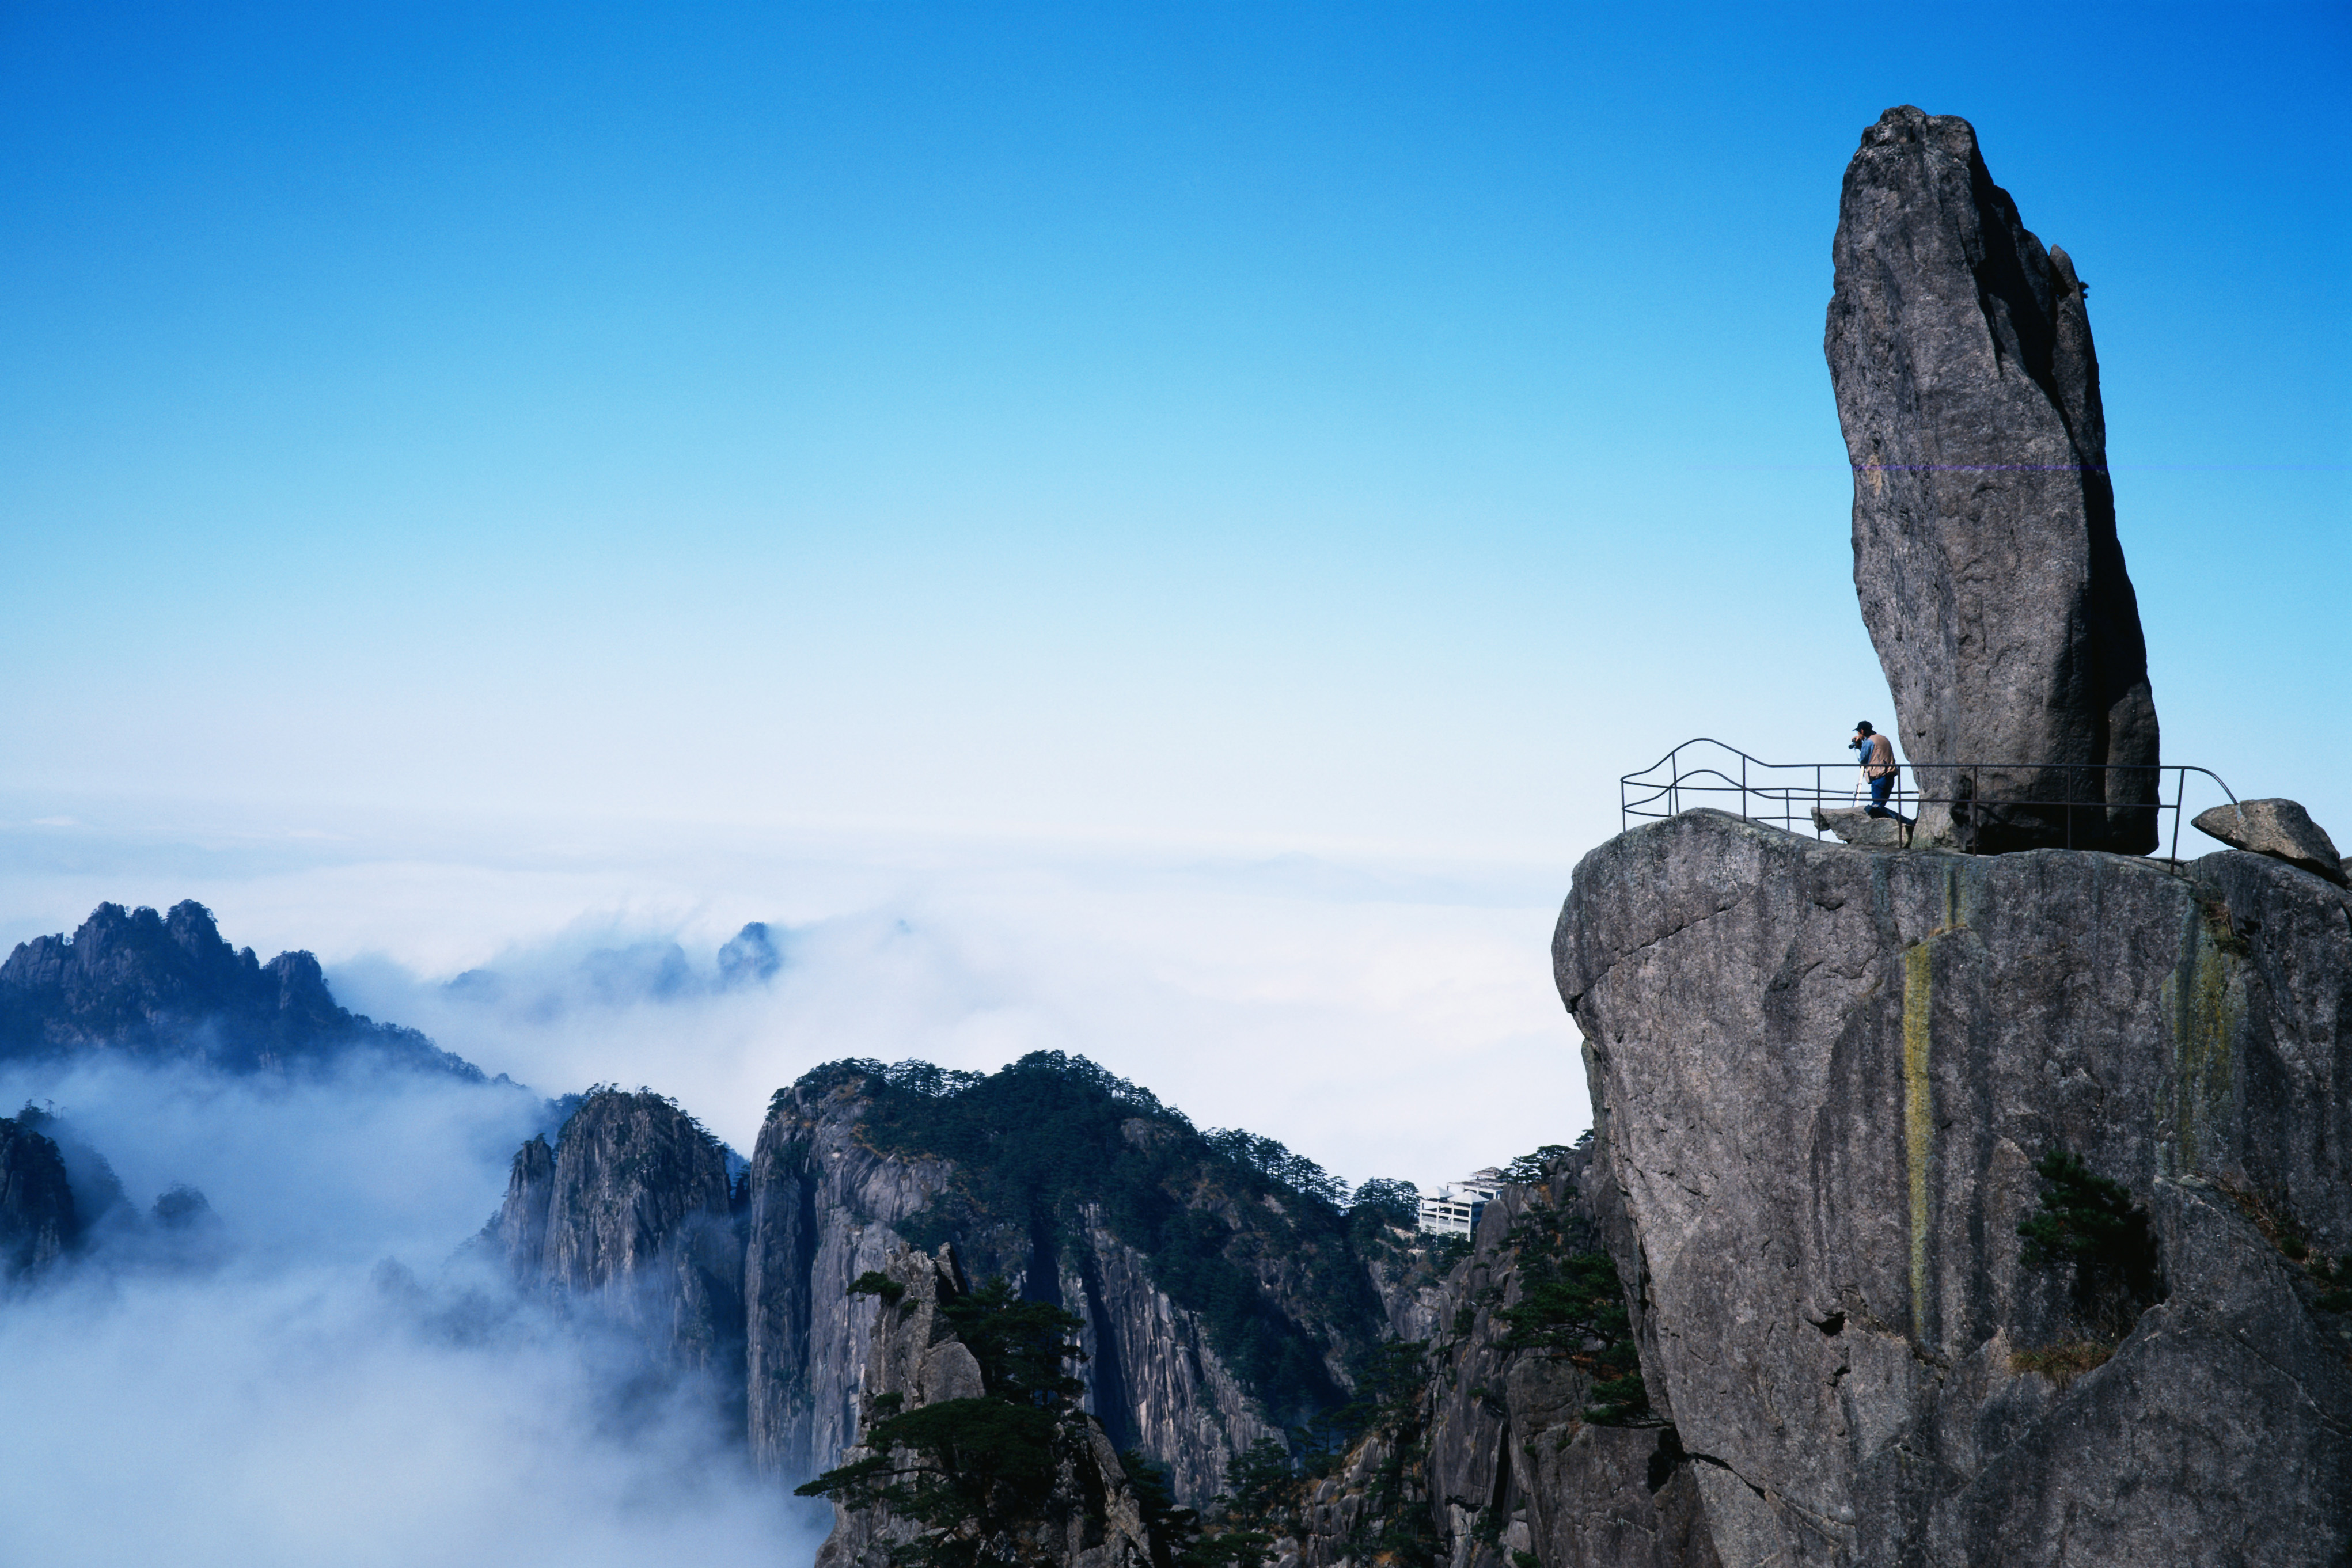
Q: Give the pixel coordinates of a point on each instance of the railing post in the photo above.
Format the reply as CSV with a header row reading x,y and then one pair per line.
x,y
2180,794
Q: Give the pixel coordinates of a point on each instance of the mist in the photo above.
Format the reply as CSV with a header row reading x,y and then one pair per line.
x,y
1382,1022
330,1376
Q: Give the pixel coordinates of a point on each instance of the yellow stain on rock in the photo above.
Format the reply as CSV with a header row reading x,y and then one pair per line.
x,y
1918,1126
2203,1005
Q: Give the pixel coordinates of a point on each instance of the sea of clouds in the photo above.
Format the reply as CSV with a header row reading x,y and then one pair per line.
x,y
331,1377
321,1373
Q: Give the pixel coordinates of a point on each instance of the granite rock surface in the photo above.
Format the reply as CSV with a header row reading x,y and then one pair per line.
x,y
1496,1453
631,1214
2280,829
1855,826
1825,1076
827,1203
1091,1519
1985,551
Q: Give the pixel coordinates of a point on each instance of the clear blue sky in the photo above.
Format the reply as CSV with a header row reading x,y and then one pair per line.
x,y
1281,423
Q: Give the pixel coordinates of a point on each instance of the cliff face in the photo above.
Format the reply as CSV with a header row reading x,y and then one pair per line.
x,y
631,1210
1515,1461
167,987
37,1221
1985,550
1216,1305
1090,1518
1505,1443
1827,1076
822,1206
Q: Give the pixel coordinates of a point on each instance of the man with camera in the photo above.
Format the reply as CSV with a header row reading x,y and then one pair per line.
x,y
1878,767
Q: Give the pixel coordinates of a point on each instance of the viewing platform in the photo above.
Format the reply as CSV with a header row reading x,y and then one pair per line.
x,y
2073,803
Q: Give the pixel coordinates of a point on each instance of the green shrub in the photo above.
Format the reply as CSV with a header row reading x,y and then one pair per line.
x,y
2088,1226
1037,1140
968,1470
1572,1304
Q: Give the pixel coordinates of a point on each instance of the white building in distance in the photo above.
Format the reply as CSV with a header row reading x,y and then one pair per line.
x,y
1454,1208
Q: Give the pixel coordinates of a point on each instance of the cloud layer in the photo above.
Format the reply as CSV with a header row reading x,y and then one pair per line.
x,y
326,1383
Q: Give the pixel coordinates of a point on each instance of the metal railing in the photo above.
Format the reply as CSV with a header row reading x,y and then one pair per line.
x,y
1786,794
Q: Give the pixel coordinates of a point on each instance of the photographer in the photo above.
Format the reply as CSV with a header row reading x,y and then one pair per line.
x,y
1878,765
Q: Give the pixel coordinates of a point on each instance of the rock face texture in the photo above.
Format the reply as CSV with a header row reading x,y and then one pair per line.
x,y
1825,1076
166,988
1220,1302
2280,829
1511,1457
1984,523
37,1222
913,1359
632,1211
1855,826
1217,1304
1495,1452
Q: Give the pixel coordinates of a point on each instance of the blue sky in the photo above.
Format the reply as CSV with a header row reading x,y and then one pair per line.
x,y
1379,426
1240,431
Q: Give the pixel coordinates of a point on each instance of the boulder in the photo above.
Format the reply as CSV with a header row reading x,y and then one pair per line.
x,y
2278,827
1856,826
1985,552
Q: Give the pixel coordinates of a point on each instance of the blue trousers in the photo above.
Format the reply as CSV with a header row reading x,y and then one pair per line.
x,y
1879,789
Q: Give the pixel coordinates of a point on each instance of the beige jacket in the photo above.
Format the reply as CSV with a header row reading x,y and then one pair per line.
x,y
1878,762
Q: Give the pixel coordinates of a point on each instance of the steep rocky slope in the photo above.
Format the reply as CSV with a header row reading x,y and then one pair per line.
x,y
1219,1302
1516,1441
167,987
631,1212
1833,1080
37,1221
1222,1296
1088,1515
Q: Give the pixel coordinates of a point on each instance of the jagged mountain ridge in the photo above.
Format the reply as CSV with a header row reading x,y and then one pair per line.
x,y
1222,1301
167,987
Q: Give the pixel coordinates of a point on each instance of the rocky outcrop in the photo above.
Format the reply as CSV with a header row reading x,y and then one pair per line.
x,y
1091,1517
1217,1303
37,1222
822,1205
1826,1077
98,1201
1854,825
1516,1462
1500,1451
1173,1256
1985,550
167,987
2280,829
632,1211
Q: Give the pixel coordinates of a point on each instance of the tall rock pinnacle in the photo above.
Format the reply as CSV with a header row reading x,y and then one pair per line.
x,y
1984,525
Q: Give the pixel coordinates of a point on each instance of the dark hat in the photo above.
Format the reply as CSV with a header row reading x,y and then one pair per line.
x,y
1861,727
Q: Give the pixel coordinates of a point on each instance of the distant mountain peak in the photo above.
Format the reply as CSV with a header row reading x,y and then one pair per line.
x,y
169,987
